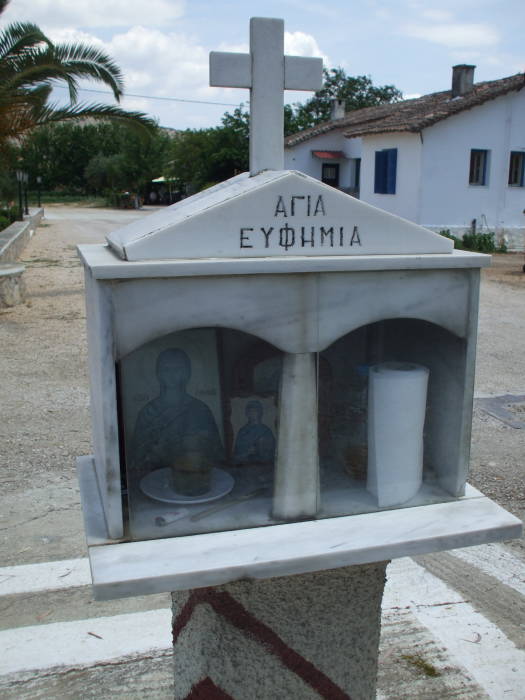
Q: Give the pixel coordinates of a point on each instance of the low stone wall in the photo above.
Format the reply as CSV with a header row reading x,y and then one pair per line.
x,y
13,240
514,239
12,284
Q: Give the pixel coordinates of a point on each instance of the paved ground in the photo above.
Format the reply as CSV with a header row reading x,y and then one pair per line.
x,y
453,623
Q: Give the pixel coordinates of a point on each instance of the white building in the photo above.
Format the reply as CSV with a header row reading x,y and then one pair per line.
x,y
442,160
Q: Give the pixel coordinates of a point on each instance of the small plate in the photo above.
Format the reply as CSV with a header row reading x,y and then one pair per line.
x,y
157,486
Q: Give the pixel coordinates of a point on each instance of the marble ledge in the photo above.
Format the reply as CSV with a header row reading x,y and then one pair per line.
x,y
105,264
163,565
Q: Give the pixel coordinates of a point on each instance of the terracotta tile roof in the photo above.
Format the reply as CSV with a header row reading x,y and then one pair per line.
x,y
411,115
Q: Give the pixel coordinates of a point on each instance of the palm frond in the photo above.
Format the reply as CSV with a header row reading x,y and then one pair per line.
x,y
84,61
19,38
41,93
136,120
33,70
29,66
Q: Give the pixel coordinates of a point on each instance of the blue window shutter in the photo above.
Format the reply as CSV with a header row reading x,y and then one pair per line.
x,y
385,172
391,170
380,172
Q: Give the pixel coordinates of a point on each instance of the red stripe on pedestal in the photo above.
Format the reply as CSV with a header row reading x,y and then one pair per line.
x,y
224,604
207,690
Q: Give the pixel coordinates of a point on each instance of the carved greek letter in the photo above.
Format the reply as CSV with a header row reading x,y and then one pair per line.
x,y
267,235
292,207
329,232
280,208
286,237
304,240
244,238
319,206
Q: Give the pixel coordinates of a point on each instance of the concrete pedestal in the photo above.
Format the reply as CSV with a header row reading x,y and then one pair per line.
x,y
308,636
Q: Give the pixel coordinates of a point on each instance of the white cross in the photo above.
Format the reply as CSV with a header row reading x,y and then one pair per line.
x,y
267,72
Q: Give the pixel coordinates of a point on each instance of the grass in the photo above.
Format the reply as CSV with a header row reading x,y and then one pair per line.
x,y
419,662
73,199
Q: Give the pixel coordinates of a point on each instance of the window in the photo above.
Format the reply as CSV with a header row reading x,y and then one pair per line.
x,y
355,177
516,168
478,167
330,174
357,174
385,172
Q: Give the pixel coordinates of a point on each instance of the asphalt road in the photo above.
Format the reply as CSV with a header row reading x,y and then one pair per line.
x,y
44,426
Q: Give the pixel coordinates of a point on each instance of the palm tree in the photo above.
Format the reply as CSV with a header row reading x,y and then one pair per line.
x,y
29,66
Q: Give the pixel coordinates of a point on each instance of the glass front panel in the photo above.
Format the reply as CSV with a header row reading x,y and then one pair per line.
x,y
390,416
220,430
199,416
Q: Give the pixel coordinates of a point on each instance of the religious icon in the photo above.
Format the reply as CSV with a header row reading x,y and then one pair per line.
x,y
199,411
177,430
254,441
172,412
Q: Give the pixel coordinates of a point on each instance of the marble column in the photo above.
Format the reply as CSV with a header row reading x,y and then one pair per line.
x,y
307,636
296,492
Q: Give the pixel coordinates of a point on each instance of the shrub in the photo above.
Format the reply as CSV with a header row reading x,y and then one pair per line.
x,y
458,243
476,242
7,216
483,243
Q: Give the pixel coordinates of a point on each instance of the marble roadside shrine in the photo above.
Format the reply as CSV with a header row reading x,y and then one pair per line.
x,y
281,396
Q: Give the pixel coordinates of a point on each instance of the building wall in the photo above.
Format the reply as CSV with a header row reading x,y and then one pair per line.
x,y
447,199
405,202
432,182
300,157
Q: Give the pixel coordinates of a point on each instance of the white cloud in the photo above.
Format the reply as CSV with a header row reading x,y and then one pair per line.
x,y
455,36
95,13
301,44
67,35
163,62
295,44
134,104
155,63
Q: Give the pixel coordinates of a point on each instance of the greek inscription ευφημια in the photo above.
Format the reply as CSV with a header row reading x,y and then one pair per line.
x,y
299,237
287,236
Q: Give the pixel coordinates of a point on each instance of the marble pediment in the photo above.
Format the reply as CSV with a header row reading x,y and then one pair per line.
x,y
274,214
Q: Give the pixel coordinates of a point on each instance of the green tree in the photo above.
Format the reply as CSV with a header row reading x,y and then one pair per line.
x,y
356,91
202,157
106,173
30,63
61,154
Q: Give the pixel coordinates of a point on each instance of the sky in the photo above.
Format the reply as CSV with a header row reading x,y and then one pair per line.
x,y
162,46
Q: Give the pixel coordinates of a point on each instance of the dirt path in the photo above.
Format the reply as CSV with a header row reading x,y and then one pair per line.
x,y
44,399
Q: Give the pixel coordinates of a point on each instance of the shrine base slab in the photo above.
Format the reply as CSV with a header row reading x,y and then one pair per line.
x,y
121,569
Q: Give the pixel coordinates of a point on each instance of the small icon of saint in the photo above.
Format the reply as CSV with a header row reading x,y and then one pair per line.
x,y
255,441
